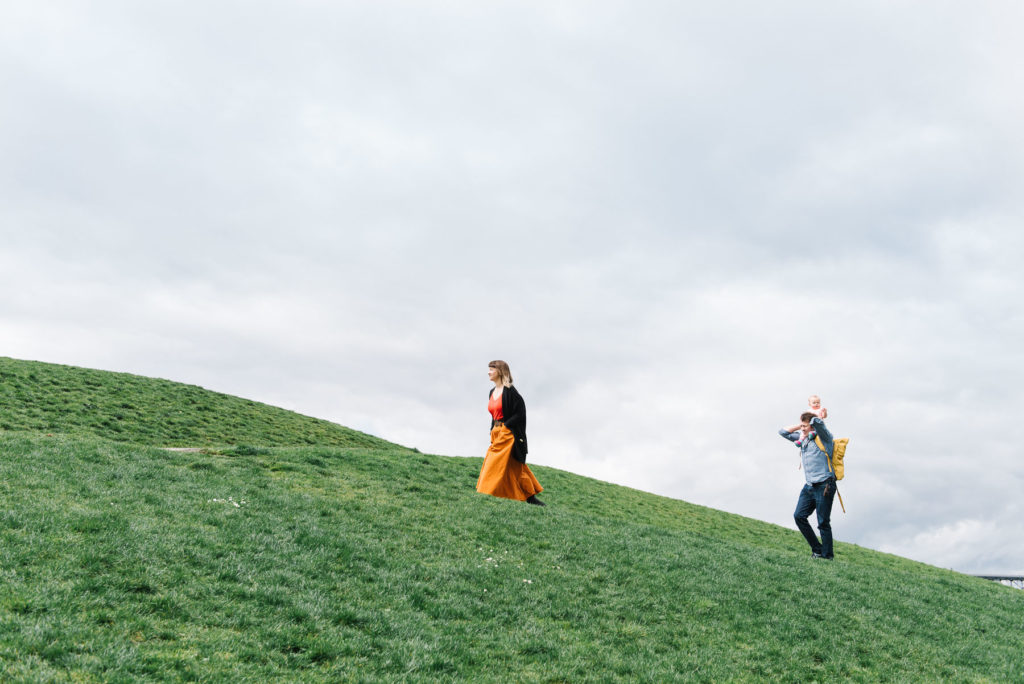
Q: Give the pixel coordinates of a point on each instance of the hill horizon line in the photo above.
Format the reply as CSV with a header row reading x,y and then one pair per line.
x,y
187,393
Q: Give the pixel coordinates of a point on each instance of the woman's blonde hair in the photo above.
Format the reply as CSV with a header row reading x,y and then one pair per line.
x,y
503,372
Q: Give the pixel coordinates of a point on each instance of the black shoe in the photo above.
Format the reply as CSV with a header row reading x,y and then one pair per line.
x,y
535,501
815,554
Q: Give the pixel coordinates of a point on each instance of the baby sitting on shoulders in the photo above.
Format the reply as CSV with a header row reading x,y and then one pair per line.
x,y
815,407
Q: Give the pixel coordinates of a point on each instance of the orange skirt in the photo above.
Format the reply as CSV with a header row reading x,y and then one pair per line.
x,y
502,475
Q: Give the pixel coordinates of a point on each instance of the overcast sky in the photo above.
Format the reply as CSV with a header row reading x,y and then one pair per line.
x,y
675,220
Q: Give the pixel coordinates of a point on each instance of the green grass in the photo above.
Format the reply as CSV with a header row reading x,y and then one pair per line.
x,y
47,397
123,562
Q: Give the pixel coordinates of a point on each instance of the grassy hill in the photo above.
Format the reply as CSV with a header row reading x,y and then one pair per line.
x,y
48,397
124,562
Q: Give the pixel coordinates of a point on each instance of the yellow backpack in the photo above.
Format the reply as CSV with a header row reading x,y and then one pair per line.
x,y
835,460
836,457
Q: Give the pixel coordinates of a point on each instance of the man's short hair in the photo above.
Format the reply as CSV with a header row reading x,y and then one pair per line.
x,y
806,417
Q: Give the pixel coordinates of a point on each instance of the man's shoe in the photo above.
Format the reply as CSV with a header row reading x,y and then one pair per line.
x,y
535,501
818,555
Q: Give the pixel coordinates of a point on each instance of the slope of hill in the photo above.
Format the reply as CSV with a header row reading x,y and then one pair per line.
x,y
123,562
130,408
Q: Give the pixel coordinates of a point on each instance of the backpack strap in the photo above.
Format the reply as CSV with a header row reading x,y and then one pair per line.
x,y
828,456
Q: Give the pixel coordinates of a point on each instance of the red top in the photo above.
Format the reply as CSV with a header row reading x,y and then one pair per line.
x,y
494,406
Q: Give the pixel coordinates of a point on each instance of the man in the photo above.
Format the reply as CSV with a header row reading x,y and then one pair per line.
x,y
820,489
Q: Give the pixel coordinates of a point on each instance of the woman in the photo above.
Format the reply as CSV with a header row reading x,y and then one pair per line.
x,y
505,472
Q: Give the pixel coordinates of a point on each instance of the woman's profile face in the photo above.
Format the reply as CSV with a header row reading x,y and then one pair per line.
x,y
492,374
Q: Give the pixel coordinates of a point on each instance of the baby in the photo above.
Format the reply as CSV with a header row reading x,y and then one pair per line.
x,y
815,407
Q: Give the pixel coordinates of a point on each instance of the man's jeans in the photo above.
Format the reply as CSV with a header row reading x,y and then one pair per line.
x,y
816,497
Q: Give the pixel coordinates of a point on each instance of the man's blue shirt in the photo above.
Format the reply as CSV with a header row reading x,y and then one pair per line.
x,y
815,461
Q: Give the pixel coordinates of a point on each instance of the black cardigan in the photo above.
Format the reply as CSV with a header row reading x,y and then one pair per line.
x,y
513,410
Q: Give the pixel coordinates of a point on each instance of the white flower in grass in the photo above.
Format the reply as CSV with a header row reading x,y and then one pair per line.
x,y
528,581
229,500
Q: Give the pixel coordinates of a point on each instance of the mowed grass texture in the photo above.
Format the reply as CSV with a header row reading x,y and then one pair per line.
x,y
128,563
53,398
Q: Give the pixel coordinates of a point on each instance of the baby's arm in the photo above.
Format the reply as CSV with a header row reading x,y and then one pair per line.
x,y
823,413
